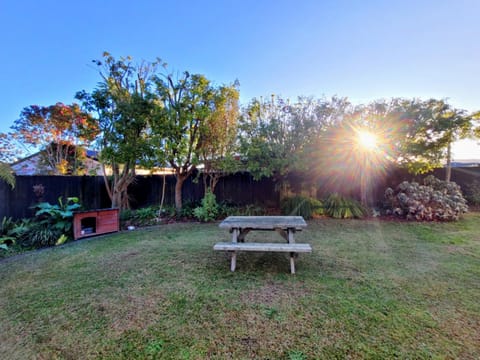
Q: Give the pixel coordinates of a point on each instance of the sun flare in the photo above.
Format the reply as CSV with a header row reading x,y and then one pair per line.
x,y
367,140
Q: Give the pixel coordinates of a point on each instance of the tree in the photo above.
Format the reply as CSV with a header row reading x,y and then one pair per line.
x,y
277,138
356,151
10,149
435,126
60,131
268,137
217,143
124,106
451,125
408,132
186,105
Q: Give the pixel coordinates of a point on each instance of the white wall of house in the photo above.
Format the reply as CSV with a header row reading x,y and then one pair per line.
x,y
27,166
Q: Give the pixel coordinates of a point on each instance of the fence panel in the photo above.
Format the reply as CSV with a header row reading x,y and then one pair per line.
x,y
238,189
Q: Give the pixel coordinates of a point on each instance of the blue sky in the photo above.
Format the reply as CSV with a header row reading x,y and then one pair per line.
x,y
363,50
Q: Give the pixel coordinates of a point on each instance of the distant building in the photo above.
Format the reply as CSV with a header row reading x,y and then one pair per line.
x,y
32,165
465,163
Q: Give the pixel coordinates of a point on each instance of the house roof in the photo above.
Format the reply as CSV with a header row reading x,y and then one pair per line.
x,y
29,165
19,161
92,154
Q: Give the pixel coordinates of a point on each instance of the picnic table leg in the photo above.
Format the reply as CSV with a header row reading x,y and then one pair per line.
x,y
234,261
235,233
292,263
291,238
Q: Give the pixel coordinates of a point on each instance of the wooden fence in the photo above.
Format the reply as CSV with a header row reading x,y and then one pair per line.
x,y
239,189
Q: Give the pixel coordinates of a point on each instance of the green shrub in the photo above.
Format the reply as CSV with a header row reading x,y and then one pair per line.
x,y
301,206
145,216
21,230
228,209
168,211
472,193
187,211
126,215
341,207
42,234
6,227
435,200
31,233
209,209
53,223
252,210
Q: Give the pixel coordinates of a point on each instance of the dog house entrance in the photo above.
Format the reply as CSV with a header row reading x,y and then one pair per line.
x,y
89,225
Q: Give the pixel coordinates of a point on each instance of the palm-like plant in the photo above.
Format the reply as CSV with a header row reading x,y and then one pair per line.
x,y
6,174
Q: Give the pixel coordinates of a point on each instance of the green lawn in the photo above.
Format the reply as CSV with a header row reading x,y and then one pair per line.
x,y
370,289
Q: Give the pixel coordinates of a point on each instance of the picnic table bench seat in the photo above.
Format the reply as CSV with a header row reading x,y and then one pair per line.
x,y
274,247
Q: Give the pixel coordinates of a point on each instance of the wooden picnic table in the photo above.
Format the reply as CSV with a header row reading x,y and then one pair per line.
x,y
240,226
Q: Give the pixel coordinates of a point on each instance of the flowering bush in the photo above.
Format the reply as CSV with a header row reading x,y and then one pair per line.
x,y
435,200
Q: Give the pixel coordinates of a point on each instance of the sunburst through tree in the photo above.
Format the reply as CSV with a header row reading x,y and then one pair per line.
x,y
351,157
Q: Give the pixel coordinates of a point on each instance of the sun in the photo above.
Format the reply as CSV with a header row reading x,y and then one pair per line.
x,y
367,140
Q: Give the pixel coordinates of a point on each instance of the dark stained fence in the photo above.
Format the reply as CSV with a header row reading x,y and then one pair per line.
x,y
238,189
17,203
242,189
349,184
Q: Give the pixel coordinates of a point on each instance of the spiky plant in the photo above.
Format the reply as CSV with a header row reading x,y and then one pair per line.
x,y
341,207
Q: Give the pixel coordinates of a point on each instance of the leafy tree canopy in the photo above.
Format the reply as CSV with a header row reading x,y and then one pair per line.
x,y
277,137
123,104
54,130
188,122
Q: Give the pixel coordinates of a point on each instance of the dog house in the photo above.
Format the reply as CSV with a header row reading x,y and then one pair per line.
x,y
95,222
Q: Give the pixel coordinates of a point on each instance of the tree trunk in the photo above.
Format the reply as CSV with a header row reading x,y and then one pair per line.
x,y
181,174
117,188
210,181
120,197
178,191
213,183
116,199
448,169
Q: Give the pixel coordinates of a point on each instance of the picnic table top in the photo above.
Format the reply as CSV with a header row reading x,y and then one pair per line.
x,y
263,222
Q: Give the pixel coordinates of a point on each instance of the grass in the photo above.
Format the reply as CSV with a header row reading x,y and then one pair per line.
x,y
370,289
